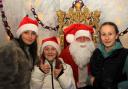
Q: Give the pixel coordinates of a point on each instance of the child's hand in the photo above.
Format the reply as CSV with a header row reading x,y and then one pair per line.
x,y
58,71
45,68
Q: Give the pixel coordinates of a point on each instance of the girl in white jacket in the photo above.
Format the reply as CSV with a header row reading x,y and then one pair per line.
x,y
52,72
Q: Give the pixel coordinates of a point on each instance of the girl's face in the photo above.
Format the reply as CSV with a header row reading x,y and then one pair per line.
x,y
108,36
50,53
28,37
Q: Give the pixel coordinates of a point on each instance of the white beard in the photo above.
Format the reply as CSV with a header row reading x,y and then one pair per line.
x,y
80,54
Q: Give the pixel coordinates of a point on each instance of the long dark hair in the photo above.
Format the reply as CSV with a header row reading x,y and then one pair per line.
x,y
113,25
32,49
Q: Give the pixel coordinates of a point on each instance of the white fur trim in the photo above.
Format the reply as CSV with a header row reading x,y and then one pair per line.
x,y
70,38
83,76
52,44
82,33
26,27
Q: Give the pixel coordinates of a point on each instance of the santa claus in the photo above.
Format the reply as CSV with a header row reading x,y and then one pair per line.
x,y
78,53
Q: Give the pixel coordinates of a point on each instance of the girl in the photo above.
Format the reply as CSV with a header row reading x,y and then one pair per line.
x,y
107,61
18,57
52,72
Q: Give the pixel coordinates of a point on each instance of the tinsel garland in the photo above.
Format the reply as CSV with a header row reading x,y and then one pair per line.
x,y
4,20
41,23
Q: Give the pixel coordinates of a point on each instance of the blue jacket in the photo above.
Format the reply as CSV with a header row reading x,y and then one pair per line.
x,y
103,66
123,84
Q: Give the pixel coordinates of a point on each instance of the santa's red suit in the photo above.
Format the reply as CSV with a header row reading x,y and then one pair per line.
x,y
68,59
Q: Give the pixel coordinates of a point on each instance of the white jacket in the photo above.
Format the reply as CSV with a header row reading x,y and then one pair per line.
x,y
40,80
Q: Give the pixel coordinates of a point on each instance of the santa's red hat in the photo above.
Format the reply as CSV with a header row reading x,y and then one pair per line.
x,y
76,30
52,41
27,24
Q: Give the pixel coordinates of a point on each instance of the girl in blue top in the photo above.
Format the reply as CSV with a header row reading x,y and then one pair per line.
x,y
109,61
